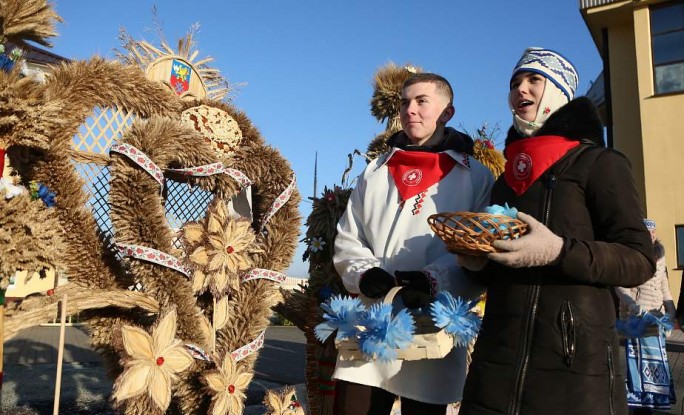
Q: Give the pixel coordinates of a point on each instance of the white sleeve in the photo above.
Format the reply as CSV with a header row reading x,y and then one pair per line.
x,y
353,253
447,274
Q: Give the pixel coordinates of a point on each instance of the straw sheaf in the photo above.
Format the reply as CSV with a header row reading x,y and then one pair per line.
x,y
22,20
79,87
30,236
492,158
39,309
142,54
379,144
138,216
387,84
271,174
26,118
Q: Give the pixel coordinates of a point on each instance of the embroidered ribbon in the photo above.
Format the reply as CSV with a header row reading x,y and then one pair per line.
x,y
249,348
279,202
152,255
141,159
197,352
257,273
215,168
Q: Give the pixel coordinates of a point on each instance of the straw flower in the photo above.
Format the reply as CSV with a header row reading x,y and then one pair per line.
x,y
284,403
228,385
219,249
155,362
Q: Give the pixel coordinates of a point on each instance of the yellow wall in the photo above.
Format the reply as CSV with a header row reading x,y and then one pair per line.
x,y
662,129
648,129
625,99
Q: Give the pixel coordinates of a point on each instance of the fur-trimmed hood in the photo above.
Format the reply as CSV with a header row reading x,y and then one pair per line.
x,y
453,140
577,120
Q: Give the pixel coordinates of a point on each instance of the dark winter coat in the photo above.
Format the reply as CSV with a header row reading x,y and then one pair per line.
x,y
548,343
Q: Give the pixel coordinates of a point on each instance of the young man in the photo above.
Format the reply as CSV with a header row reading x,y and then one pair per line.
x,y
384,240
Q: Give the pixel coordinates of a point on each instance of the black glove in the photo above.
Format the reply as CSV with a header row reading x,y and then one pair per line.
x,y
376,282
417,290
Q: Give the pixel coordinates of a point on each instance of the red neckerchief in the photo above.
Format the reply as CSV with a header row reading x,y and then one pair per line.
x,y
529,158
415,171
2,161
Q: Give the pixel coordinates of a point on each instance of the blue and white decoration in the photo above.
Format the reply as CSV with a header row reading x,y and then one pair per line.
x,y
380,334
551,65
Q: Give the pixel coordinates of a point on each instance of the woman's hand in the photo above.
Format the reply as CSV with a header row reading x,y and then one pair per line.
x,y
537,248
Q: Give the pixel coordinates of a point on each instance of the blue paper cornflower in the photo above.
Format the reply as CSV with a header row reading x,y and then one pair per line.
x,y
6,64
341,314
42,192
384,333
454,316
499,210
502,210
636,326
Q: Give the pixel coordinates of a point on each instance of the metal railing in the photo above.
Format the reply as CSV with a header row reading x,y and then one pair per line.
x,y
586,4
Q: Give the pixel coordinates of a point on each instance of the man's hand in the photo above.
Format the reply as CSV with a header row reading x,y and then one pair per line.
x,y
537,248
376,282
417,290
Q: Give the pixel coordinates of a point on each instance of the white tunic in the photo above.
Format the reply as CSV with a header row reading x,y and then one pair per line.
x,y
377,231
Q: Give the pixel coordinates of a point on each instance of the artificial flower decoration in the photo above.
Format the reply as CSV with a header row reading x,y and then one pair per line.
x,y
283,403
40,191
454,315
638,326
154,364
383,333
316,244
219,249
228,385
342,314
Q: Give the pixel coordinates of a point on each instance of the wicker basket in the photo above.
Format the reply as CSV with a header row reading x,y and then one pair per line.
x,y
473,233
429,341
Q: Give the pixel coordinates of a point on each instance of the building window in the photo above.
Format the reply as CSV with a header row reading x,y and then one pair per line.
x,y
679,234
667,42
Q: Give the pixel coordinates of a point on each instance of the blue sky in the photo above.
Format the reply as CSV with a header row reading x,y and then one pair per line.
x,y
307,65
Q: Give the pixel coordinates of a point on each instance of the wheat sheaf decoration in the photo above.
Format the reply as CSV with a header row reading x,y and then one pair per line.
x,y
177,313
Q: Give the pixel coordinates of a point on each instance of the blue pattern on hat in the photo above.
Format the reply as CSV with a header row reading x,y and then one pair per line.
x,y
650,224
552,65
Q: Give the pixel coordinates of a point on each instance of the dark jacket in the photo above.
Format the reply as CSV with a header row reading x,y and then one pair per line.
x,y
548,343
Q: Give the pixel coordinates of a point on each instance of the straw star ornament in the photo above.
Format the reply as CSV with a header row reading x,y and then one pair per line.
x,y
155,362
228,385
219,249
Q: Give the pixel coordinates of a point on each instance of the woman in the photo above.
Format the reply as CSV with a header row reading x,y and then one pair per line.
x,y
649,389
548,343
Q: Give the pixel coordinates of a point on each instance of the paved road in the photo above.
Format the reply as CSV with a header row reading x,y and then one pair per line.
x,y
30,368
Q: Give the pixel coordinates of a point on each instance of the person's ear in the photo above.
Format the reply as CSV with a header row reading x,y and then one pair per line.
x,y
447,114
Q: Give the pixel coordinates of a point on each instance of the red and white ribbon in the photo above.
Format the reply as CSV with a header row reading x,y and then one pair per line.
x,y
280,201
215,168
152,255
260,273
141,159
197,352
249,348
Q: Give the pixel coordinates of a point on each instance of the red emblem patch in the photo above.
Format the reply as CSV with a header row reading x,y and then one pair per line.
x,y
522,166
412,177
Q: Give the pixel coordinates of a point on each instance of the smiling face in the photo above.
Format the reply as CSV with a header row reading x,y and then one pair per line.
x,y
527,89
424,112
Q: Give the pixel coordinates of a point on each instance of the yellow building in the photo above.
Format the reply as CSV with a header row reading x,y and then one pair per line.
x,y
641,95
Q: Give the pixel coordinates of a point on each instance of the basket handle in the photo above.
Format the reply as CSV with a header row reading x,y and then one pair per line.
x,y
389,297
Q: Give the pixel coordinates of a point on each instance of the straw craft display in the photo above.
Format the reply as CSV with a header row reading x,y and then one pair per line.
x,y
471,233
188,307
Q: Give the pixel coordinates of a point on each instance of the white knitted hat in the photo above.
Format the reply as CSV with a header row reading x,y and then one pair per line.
x,y
552,66
555,68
